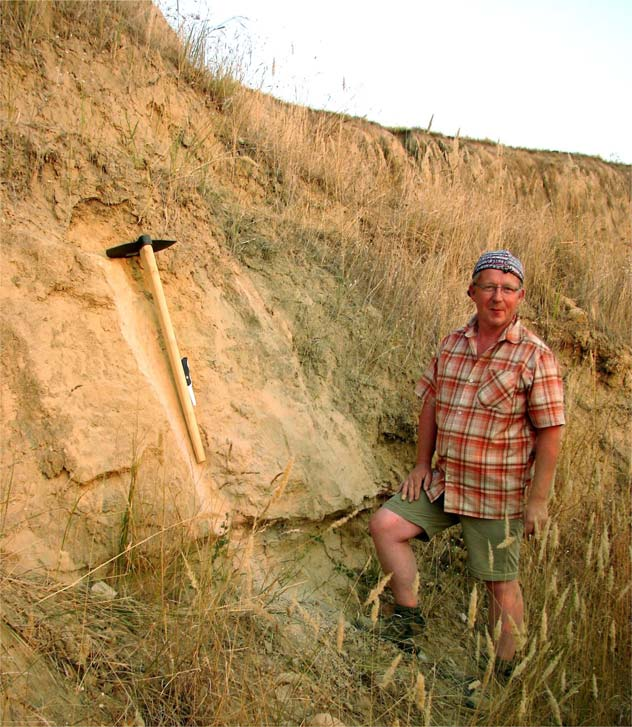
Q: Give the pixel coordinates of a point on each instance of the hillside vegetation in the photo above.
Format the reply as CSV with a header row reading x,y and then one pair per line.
x,y
319,260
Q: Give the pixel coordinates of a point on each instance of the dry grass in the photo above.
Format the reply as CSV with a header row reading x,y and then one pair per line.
x,y
406,230
193,636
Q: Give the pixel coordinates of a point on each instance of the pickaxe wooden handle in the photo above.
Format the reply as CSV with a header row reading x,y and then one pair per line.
x,y
144,247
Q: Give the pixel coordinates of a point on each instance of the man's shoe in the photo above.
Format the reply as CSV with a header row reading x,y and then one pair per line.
x,y
474,698
503,669
404,628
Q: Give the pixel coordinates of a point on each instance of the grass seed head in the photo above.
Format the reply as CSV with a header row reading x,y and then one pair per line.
x,y
284,479
306,616
506,542
428,710
532,648
489,644
389,673
613,636
247,564
610,579
519,634
190,574
550,667
522,707
559,605
375,611
521,666
555,707
498,627
605,542
471,612
543,540
377,591
603,554
419,692
340,633
343,520
509,538
589,553
624,591
544,627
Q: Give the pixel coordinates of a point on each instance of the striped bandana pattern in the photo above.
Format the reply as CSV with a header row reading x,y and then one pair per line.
x,y
500,260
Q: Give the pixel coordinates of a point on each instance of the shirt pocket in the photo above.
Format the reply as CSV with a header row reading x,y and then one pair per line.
x,y
498,389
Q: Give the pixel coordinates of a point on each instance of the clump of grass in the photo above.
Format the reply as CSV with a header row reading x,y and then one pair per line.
x,y
26,23
576,610
205,62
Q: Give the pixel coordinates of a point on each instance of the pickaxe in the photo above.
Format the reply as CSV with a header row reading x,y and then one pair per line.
x,y
145,247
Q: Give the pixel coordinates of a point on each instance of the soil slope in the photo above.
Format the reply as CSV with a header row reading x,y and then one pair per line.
x,y
104,142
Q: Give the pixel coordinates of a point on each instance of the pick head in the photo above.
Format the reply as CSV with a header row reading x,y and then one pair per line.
x,y
131,249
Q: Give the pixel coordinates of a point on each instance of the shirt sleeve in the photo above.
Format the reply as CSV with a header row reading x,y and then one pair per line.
x,y
546,397
427,384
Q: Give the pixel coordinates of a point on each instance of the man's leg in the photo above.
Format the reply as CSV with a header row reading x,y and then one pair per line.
x,y
391,534
497,562
505,603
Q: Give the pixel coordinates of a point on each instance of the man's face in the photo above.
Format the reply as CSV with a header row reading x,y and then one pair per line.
x,y
496,307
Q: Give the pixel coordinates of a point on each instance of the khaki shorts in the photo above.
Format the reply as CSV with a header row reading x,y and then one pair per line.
x,y
491,556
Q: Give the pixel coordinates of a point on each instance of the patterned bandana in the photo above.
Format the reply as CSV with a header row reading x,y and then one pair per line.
x,y
500,260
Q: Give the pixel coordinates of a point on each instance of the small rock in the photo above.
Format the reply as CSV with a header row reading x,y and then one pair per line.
x,y
323,719
284,692
422,656
289,677
103,591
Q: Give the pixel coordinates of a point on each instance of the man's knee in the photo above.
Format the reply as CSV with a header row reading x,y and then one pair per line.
x,y
505,593
388,525
381,523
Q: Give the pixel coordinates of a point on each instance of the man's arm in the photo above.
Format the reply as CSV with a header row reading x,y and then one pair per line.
x,y
421,475
547,448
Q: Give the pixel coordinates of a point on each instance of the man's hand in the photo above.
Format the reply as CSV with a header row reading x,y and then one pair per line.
x,y
420,477
536,513
547,447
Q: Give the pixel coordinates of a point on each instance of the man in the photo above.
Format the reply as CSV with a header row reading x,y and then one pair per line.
x,y
493,415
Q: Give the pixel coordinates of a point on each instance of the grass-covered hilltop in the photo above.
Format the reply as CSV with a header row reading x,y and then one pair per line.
x,y
319,260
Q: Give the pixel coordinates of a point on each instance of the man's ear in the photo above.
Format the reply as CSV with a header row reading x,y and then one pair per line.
x,y
469,292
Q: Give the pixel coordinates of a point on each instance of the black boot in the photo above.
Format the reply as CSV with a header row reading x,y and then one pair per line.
x,y
403,628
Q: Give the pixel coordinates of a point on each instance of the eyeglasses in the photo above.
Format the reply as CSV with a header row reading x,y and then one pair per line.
x,y
490,289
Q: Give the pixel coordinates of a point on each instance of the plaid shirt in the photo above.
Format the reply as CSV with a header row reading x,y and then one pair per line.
x,y
488,410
